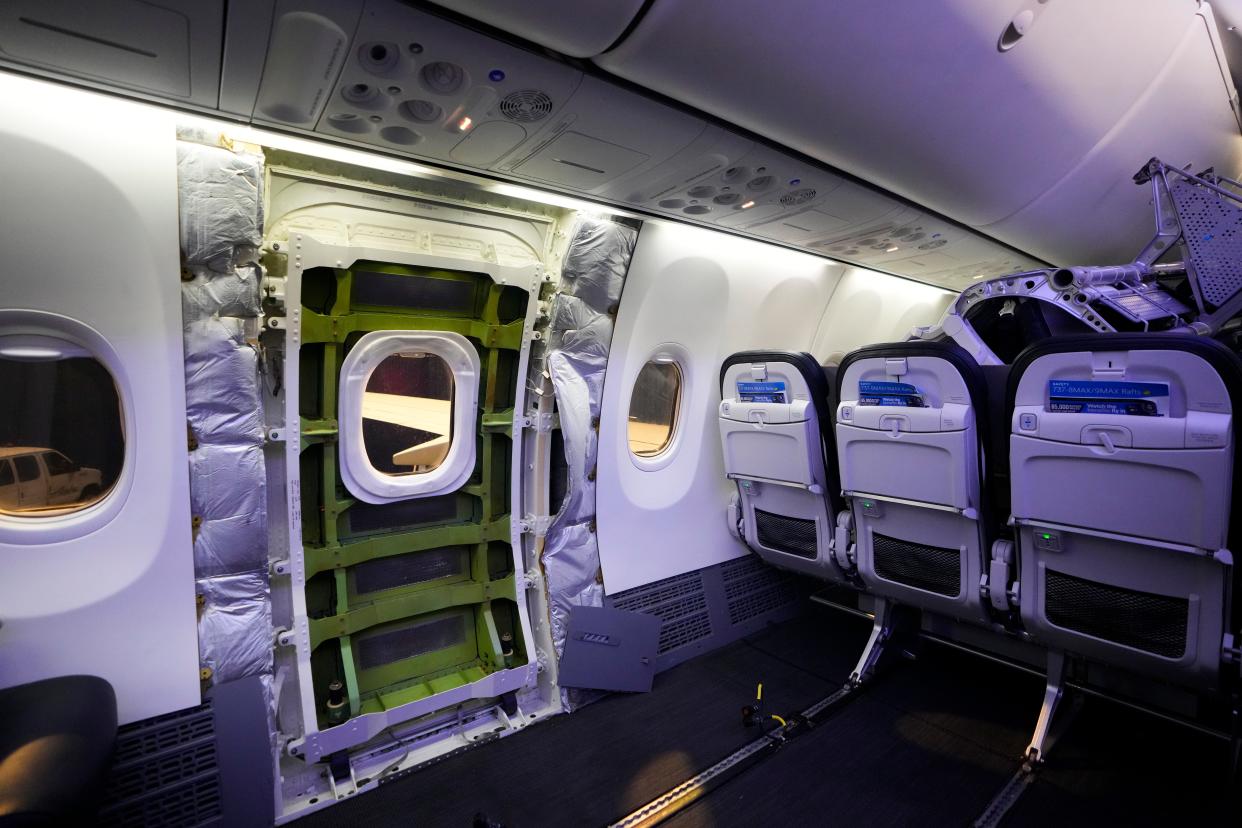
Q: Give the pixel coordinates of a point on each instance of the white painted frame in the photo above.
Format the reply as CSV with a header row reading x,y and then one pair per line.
x,y
362,479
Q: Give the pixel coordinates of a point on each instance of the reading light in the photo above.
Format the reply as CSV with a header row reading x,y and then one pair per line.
x,y
892,249
464,123
748,205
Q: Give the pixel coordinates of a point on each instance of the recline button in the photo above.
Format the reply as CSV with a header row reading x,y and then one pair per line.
x,y
1028,422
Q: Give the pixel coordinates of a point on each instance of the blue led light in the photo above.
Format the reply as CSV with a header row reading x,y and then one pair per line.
x,y
794,182
496,75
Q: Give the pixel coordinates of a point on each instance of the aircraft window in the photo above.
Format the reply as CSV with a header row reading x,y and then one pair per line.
x,y
653,408
407,413
61,439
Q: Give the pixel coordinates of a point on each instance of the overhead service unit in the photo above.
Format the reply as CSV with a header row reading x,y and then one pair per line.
x,y
382,75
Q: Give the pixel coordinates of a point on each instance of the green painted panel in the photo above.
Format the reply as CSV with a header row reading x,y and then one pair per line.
x,y
392,644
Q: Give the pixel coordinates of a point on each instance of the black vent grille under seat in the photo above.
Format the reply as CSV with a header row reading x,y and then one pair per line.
x,y
786,534
752,588
1142,620
164,772
929,568
679,602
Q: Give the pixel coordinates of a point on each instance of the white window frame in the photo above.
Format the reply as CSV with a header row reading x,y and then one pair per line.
x,y
36,336
666,354
362,479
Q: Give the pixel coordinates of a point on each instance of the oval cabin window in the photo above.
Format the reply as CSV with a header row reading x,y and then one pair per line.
x,y
407,413
62,443
653,408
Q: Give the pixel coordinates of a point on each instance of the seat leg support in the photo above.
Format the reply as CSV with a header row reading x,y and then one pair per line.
x,y
1053,692
1033,758
894,624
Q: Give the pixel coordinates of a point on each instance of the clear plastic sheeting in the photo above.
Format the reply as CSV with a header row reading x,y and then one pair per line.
x,y
583,318
220,196
234,626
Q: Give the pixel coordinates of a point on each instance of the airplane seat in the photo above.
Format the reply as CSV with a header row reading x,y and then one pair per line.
x,y
911,423
775,430
57,738
1121,474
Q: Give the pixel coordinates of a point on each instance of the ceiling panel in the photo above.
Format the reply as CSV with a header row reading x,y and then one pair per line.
x,y
927,103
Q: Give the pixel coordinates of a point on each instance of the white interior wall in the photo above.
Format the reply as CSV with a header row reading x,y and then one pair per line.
x,y
697,296
89,232
870,307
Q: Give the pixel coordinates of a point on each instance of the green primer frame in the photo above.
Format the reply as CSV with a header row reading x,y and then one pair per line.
x,y
335,548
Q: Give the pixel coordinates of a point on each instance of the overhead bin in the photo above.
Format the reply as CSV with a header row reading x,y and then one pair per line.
x,y
570,27
168,48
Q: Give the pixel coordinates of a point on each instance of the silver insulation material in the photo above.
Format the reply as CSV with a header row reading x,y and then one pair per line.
x,y
234,625
583,318
229,496
220,198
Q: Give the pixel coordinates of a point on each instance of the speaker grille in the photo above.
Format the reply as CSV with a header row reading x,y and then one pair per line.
x,y
416,640
786,534
526,106
930,568
794,197
1143,620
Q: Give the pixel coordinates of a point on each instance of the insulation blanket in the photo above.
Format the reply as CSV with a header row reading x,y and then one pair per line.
x,y
220,197
583,318
235,625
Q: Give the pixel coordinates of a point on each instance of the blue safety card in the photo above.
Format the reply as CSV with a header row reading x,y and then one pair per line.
x,y
761,392
871,392
1121,397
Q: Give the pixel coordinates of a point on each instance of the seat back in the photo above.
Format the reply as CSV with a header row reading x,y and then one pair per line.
x,y
909,421
775,430
1121,477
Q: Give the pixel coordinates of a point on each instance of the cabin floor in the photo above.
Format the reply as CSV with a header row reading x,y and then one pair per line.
x,y
931,741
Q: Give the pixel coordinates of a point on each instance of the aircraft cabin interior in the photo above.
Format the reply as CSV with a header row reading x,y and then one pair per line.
x,y
484,414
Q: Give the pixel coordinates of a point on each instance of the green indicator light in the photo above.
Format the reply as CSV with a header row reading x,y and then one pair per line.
x,y
1046,536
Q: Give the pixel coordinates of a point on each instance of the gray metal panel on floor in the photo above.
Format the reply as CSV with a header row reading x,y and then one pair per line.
x,y
609,649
